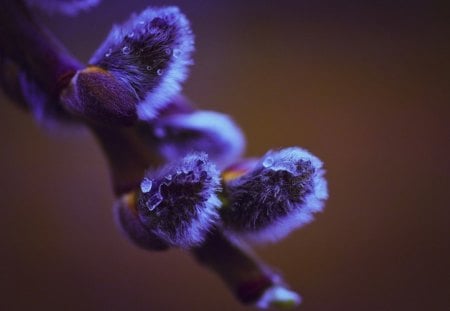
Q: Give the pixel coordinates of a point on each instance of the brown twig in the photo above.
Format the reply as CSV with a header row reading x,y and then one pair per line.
x,y
30,46
45,60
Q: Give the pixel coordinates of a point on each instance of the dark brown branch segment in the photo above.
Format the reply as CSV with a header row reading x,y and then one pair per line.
x,y
244,275
34,49
128,155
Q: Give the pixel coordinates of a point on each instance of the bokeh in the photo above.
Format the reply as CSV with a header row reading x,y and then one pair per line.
x,y
364,85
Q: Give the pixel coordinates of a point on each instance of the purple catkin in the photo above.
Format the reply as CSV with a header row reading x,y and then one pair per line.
x,y
178,203
46,111
208,131
150,54
96,95
279,194
25,91
67,7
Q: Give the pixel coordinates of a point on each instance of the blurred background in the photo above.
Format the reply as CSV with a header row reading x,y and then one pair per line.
x,y
364,85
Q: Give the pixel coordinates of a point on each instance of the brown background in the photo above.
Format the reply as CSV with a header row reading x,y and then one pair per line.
x,y
363,86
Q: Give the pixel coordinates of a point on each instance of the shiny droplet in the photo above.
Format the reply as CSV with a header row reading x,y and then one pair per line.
x,y
268,162
159,72
108,54
130,35
154,201
176,53
126,50
146,185
148,67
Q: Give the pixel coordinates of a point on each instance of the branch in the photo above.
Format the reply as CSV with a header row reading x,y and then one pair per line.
x,y
25,46
34,49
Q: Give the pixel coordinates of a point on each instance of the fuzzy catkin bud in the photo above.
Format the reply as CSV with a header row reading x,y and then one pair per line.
x,y
178,203
279,194
208,131
26,92
67,7
95,95
149,54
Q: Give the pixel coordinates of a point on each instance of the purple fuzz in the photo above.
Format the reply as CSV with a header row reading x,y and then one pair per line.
x,y
208,131
278,195
149,54
178,203
67,7
46,111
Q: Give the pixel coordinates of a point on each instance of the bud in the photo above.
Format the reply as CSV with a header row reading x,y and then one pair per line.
x,y
67,7
207,131
279,297
95,95
21,88
127,219
149,54
279,194
178,203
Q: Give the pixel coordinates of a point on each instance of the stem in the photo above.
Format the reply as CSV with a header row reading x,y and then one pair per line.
x,y
10,81
246,276
34,49
45,60
128,155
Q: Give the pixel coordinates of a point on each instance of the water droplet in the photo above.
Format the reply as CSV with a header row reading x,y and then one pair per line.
x,y
146,185
130,35
154,201
169,177
291,167
148,67
126,50
108,54
176,53
159,72
168,51
268,162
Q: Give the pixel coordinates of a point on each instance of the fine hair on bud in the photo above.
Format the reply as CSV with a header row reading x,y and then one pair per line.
x,y
150,54
212,132
178,203
23,89
279,194
95,95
